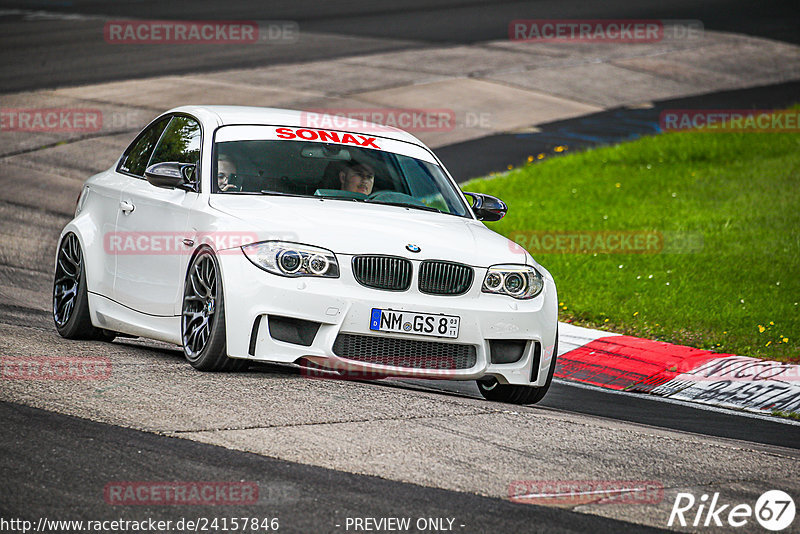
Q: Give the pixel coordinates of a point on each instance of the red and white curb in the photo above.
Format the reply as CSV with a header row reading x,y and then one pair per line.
x,y
632,364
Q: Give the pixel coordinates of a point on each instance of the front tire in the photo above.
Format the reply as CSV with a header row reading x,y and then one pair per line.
x,y
494,391
203,317
70,297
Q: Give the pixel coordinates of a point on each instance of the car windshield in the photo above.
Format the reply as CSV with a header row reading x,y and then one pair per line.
x,y
332,171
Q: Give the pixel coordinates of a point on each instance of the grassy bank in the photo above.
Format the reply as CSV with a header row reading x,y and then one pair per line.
x,y
725,210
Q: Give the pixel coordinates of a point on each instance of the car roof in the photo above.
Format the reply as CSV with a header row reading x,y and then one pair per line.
x,y
231,115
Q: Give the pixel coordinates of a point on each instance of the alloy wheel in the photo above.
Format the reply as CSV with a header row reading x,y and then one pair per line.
x,y
67,280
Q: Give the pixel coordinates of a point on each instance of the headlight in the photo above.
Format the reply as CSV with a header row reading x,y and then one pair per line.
x,y
292,259
518,281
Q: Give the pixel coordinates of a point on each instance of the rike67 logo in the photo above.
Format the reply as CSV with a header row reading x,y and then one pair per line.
x,y
774,510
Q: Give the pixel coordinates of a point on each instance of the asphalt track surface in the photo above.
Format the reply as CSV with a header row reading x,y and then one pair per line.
x,y
56,465
303,498
482,156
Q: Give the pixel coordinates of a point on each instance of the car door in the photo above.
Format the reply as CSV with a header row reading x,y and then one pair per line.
x,y
153,220
102,199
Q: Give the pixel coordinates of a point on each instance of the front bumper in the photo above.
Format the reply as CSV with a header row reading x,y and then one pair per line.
x,y
344,306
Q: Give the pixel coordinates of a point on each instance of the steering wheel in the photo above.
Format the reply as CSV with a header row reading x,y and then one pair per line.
x,y
394,196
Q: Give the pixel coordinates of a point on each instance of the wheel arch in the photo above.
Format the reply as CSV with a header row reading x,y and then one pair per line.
x,y
92,250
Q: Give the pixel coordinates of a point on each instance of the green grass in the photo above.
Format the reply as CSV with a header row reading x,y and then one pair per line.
x,y
787,415
739,192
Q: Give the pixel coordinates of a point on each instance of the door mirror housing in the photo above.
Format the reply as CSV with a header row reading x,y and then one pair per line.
x,y
487,208
172,175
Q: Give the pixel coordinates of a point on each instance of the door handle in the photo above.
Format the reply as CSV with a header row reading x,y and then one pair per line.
x,y
126,206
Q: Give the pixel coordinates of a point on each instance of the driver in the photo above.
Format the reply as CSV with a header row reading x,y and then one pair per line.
x,y
225,169
357,177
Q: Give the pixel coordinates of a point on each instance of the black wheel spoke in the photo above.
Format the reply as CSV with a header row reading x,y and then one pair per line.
x,y
67,266
200,289
61,281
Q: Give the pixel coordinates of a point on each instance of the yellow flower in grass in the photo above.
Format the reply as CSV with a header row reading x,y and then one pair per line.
x,y
768,343
761,329
785,339
530,159
540,156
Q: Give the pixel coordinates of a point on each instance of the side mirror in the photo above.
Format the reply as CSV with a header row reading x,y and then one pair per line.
x,y
172,175
487,208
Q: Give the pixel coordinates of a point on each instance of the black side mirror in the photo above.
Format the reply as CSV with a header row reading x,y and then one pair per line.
x,y
172,175
486,207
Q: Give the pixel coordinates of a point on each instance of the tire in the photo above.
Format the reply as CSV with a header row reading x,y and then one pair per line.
x,y
203,317
70,297
494,391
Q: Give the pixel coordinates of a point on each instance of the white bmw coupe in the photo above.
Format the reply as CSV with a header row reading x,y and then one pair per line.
x,y
248,234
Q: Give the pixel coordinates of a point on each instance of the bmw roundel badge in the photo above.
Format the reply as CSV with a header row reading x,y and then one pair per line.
x,y
413,248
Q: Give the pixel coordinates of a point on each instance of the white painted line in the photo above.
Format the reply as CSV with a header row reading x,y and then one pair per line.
x,y
35,14
574,493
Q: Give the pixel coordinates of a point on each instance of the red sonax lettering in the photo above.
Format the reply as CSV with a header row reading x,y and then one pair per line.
x,y
308,135
322,135
329,136
368,141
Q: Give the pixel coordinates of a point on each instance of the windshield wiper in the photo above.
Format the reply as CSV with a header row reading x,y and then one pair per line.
x,y
280,194
336,197
405,205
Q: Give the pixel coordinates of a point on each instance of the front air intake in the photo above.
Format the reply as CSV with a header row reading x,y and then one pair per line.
x,y
405,353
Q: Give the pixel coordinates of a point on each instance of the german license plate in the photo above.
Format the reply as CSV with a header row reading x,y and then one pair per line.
x,y
423,324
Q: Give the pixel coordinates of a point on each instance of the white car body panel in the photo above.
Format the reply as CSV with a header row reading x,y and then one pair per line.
x,y
152,283
141,294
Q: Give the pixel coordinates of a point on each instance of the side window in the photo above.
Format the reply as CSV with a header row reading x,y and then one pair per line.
x,y
180,142
135,159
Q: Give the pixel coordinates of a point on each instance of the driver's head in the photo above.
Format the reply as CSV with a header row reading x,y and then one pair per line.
x,y
357,177
225,168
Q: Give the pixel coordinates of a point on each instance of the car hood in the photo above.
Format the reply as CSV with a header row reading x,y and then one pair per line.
x,y
346,227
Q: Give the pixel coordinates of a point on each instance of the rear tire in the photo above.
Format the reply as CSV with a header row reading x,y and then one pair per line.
x,y
203,317
494,391
70,297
